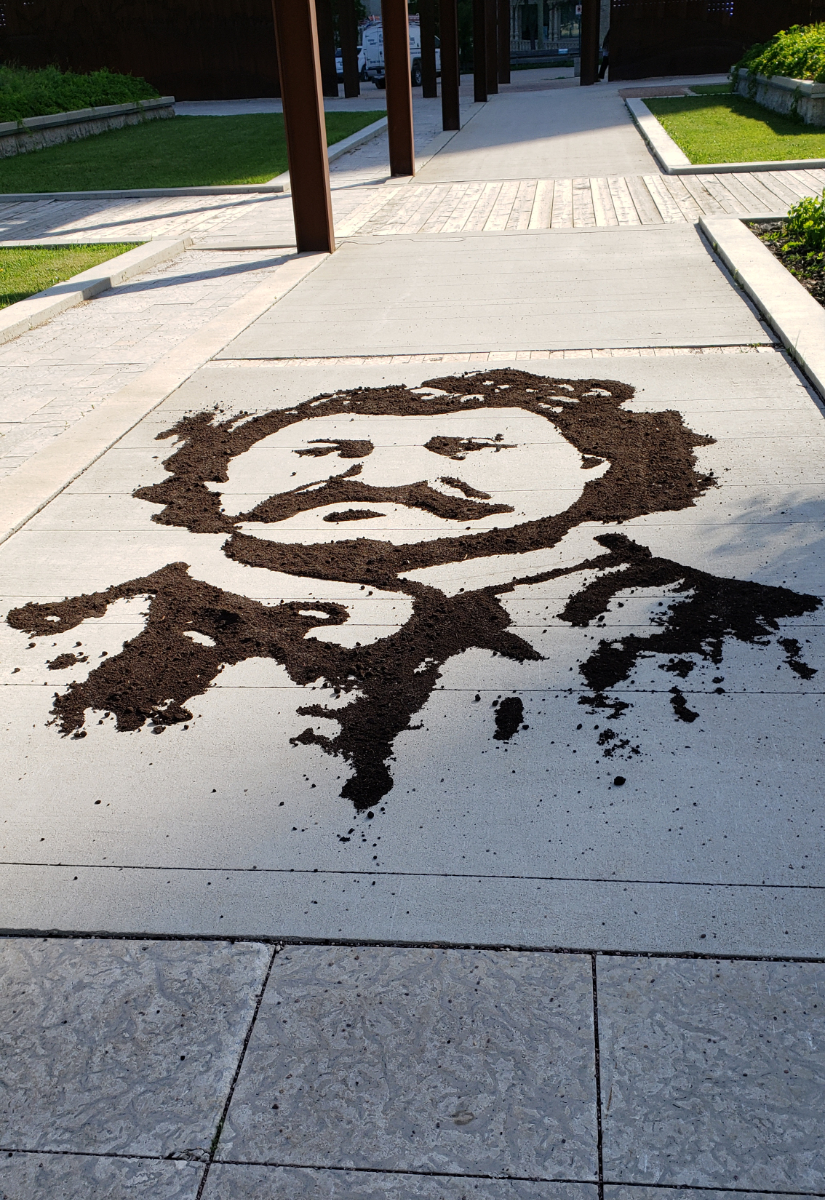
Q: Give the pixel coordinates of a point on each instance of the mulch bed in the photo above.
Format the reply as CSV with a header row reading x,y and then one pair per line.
x,y
809,269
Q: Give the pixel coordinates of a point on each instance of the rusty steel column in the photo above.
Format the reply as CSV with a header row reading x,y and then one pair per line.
x,y
491,39
348,29
450,69
504,41
480,51
326,47
426,13
396,24
306,139
589,42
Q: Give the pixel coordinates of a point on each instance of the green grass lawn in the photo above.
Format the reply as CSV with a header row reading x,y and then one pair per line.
x,y
181,152
25,270
734,129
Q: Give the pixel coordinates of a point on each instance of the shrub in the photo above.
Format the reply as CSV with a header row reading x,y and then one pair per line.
x,y
26,93
798,52
806,224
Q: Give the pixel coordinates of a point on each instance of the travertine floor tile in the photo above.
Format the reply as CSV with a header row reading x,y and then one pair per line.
x,y
462,1062
713,1073
121,1047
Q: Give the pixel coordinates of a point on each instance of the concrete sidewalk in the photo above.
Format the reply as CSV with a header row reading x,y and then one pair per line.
x,y
412,742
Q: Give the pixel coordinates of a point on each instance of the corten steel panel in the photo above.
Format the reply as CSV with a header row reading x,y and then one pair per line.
x,y
426,13
589,42
349,48
306,137
491,48
480,51
191,49
503,41
395,21
650,38
326,47
450,112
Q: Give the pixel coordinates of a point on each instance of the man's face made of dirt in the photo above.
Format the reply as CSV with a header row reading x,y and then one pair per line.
x,y
404,478
371,484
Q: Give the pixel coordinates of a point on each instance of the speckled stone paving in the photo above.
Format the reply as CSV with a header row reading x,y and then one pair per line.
x,y
179,1070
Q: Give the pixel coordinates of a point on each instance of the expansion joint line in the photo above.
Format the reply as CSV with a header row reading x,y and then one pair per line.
x,y
213,1149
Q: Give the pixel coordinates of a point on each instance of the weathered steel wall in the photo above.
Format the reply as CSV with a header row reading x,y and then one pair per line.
x,y
190,49
650,38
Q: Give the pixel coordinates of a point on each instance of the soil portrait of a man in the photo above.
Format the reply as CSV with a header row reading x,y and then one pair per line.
x,y
392,489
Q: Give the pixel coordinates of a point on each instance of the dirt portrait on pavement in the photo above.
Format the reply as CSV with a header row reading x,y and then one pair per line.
x,y
388,489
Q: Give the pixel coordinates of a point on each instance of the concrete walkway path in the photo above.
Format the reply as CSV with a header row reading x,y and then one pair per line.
x,y
412,737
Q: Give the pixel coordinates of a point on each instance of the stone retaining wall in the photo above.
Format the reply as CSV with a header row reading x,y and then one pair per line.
x,y
35,133
784,95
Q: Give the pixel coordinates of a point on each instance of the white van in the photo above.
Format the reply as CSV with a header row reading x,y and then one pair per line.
x,y
372,41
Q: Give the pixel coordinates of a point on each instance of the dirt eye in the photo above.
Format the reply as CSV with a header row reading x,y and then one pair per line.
x,y
343,447
459,448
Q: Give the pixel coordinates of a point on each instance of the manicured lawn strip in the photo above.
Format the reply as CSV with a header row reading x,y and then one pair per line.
x,y
25,270
734,129
711,89
181,152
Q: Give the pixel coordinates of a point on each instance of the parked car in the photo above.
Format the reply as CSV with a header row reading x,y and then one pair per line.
x,y
373,46
339,65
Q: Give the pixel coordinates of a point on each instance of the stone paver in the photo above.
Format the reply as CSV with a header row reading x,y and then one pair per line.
x,y
122,1047
53,375
713,1073
587,202
80,1177
460,1062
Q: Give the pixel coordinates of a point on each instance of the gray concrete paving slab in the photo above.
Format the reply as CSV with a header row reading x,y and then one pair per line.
x,y
712,1073
244,1182
82,1176
545,290
718,814
546,135
461,1062
121,1047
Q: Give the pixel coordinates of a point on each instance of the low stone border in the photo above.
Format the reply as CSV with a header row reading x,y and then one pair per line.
x,y
785,95
37,309
35,133
674,161
798,319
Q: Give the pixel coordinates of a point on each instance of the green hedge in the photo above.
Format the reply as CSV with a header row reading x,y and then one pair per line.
x,y
798,52
25,93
